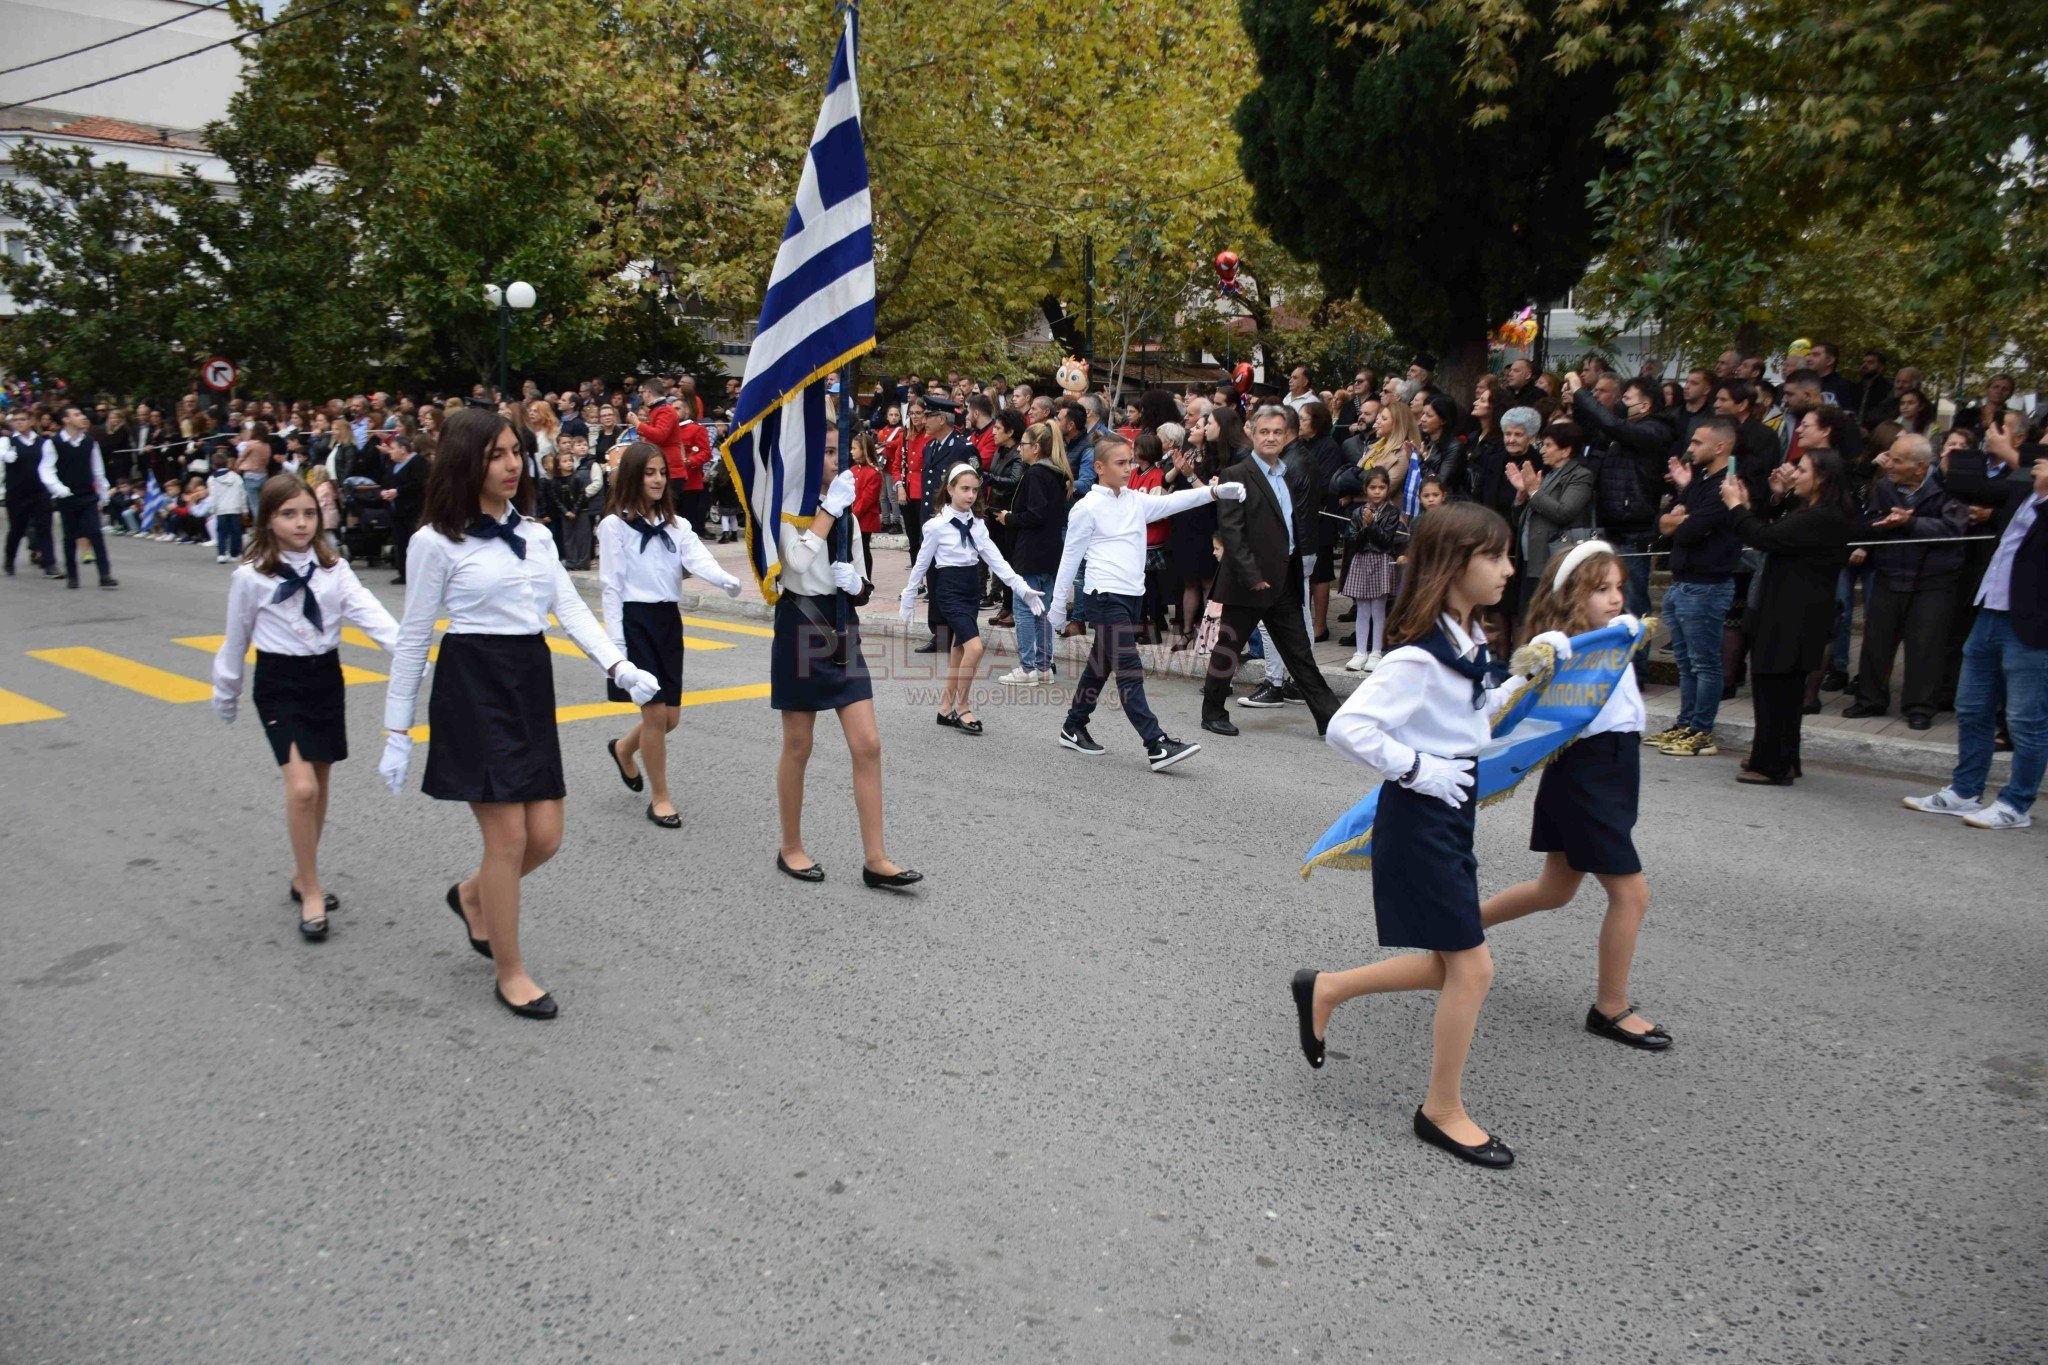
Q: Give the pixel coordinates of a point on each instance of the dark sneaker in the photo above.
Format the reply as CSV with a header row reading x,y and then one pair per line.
x,y
1291,694
1080,741
1164,752
1265,697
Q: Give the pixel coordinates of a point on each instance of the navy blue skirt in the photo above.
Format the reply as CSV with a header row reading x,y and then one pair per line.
x,y
492,719
654,641
1586,804
956,602
1425,877
802,675
299,699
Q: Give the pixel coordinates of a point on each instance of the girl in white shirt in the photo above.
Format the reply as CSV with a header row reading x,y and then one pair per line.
x,y
1586,804
1420,721
289,599
643,550
956,544
494,573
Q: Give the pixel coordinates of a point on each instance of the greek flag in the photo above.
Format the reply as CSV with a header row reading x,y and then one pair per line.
x,y
819,314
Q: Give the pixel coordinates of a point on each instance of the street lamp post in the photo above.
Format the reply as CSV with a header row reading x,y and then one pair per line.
x,y
516,294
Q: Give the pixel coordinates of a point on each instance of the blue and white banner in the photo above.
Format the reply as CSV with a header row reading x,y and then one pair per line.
x,y
1549,714
818,314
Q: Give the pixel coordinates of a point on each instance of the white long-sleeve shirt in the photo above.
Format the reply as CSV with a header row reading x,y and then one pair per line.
x,y
1411,703
484,589
944,549
1107,529
12,449
629,573
256,618
47,470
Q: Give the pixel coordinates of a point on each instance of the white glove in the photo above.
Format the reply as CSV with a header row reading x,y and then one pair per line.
x,y
1229,492
839,495
1056,619
846,578
1634,624
226,705
637,683
1033,599
397,755
1447,779
731,586
1560,643
909,605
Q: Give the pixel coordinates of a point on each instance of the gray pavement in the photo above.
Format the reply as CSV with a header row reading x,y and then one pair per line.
x,y
1049,1108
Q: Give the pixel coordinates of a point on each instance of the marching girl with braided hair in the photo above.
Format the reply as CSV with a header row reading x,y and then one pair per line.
x,y
1587,799
289,598
956,545
643,550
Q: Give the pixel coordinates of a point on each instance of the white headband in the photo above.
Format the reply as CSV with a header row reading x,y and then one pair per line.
x,y
1578,555
962,468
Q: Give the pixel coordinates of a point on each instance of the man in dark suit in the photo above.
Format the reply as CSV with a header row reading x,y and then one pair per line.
x,y
1259,582
2007,652
406,490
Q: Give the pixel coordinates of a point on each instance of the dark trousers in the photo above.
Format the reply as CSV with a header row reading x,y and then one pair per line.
x,y
913,527
1920,617
28,518
80,516
1283,623
692,506
1116,620
401,537
1778,699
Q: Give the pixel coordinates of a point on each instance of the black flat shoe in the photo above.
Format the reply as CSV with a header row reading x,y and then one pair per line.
x,y
1220,726
332,902
967,727
1303,988
813,873
673,820
1492,1153
1656,1040
542,1008
950,720
890,881
481,946
313,930
634,783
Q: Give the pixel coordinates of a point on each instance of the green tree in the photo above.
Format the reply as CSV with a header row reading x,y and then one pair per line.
x,y
1442,206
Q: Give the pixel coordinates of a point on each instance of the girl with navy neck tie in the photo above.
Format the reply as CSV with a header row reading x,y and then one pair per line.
x,y
1420,721
643,551
288,599
956,545
480,559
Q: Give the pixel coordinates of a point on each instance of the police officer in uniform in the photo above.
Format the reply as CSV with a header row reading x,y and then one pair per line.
x,y
946,448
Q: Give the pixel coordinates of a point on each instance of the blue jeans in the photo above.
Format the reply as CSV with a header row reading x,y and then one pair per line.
x,y
1845,610
1116,619
1034,631
1635,586
227,534
1695,613
1997,667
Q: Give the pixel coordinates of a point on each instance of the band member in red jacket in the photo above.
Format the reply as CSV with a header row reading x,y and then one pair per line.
x,y
685,448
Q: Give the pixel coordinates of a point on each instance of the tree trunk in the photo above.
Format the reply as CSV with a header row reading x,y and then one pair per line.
x,y
1464,361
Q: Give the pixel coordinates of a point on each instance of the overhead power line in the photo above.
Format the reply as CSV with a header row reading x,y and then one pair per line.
x,y
108,42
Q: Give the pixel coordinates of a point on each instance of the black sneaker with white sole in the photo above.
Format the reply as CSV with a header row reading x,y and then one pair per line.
x,y
1080,741
1164,752
1265,697
1291,693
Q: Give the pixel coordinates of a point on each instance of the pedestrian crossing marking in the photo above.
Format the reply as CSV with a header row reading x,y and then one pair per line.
x,y
732,627
350,674
112,668
703,696
16,709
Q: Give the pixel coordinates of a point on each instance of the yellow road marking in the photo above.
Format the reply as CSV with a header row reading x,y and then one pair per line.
x,y
16,709
112,668
733,627
563,647
350,675
351,635
703,696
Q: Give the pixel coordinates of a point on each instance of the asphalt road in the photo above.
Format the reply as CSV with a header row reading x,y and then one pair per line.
x,y
1049,1108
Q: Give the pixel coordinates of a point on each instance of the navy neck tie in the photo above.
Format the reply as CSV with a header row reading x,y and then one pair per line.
x,y
648,533
1479,670
289,583
507,531
966,530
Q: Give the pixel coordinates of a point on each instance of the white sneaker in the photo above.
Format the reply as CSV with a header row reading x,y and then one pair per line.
x,y
1372,660
1355,664
1943,802
1020,677
1046,676
1998,815
220,559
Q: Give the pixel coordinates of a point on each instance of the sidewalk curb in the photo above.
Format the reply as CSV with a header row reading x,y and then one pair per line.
x,y
1902,757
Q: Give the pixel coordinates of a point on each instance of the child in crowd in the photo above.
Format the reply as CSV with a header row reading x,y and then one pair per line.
x,y
230,499
1377,537
1586,804
122,506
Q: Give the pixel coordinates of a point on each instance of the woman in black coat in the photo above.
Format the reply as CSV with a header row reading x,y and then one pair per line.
x,y
1792,614
1037,517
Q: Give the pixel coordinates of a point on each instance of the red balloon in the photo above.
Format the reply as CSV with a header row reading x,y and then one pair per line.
x,y
1241,377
